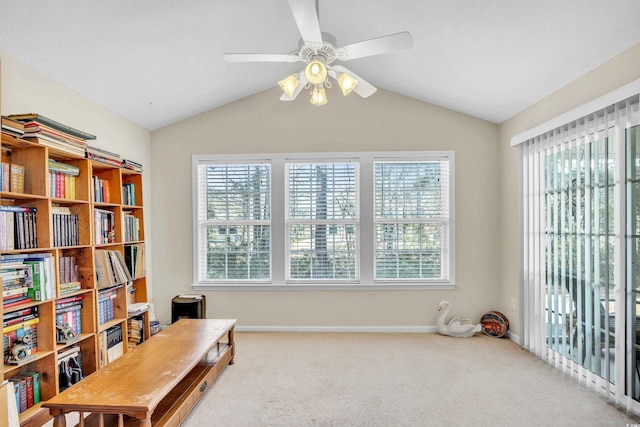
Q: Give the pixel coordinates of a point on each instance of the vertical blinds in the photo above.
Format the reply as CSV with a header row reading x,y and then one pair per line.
x,y
577,302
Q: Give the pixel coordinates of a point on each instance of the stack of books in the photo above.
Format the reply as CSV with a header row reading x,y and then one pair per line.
x,y
39,280
18,227
62,179
134,257
12,177
20,330
135,331
111,268
103,156
16,280
69,311
129,194
69,273
137,308
53,134
106,305
130,164
104,222
111,345
12,127
27,389
65,226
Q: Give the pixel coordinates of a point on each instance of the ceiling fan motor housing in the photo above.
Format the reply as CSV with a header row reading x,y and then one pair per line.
x,y
310,51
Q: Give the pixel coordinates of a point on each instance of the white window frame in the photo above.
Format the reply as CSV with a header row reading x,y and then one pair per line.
x,y
366,230
289,221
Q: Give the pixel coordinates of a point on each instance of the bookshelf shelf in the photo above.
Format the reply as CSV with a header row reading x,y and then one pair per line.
x,y
64,192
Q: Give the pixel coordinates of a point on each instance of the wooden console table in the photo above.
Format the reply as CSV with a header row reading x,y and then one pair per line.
x,y
157,383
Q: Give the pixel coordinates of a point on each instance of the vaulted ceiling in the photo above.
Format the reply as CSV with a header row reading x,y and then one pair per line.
x,y
156,62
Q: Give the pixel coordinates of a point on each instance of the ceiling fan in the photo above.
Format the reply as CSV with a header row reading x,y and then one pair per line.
x,y
319,51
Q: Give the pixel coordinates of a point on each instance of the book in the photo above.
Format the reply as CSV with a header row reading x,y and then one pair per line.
x,y
130,164
135,331
21,325
28,117
56,144
102,152
38,280
129,194
115,344
24,219
137,308
103,159
16,178
111,268
134,258
63,168
33,127
12,127
21,396
6,173
14,291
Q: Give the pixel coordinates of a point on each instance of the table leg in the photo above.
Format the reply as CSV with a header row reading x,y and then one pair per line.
x,y
59,419
232,345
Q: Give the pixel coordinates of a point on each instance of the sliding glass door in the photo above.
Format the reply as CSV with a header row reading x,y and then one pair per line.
x,y
579,244
581,249
633,257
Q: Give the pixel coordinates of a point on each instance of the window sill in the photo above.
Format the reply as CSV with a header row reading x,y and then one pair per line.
x,y
323,287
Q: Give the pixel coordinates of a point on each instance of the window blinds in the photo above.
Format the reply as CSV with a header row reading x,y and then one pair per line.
x,y
411,217
579,309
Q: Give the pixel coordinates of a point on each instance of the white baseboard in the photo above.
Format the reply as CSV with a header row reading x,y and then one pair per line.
x,y
513,337
363,329
378,329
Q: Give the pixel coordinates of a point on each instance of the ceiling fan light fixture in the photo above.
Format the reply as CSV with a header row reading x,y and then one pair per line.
x,y
289,84
347,83
316,72
318,96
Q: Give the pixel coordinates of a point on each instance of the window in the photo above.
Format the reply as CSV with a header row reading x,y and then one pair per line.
x,y
309,220
322,219
234,222
411,220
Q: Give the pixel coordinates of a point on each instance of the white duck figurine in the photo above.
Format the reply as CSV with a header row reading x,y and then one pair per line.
x,y
459,328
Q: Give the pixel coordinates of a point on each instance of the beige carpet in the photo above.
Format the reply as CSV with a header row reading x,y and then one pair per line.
x,y
346,379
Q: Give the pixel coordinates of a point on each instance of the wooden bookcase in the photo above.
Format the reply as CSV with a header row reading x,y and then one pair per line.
x,y
37,194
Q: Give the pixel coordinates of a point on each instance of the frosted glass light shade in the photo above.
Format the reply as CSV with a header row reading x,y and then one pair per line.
x,y
347,83
289,84
316,72
318,96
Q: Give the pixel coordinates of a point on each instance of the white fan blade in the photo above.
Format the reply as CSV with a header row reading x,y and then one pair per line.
x,y
377,46
363,88
260,57
306,16
302,82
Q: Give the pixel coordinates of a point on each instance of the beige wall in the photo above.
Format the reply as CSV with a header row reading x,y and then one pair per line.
x,y
25,90
618,71
487,193
383,122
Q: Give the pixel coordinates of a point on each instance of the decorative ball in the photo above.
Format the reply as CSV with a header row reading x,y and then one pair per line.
x,y
494,324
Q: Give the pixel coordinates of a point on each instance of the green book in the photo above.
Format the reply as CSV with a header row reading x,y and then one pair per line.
x,y
38,278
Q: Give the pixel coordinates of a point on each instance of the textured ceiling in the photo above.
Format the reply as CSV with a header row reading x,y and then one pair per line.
x,y
156,62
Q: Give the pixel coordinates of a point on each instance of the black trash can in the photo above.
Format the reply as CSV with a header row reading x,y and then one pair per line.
x,y
188,307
